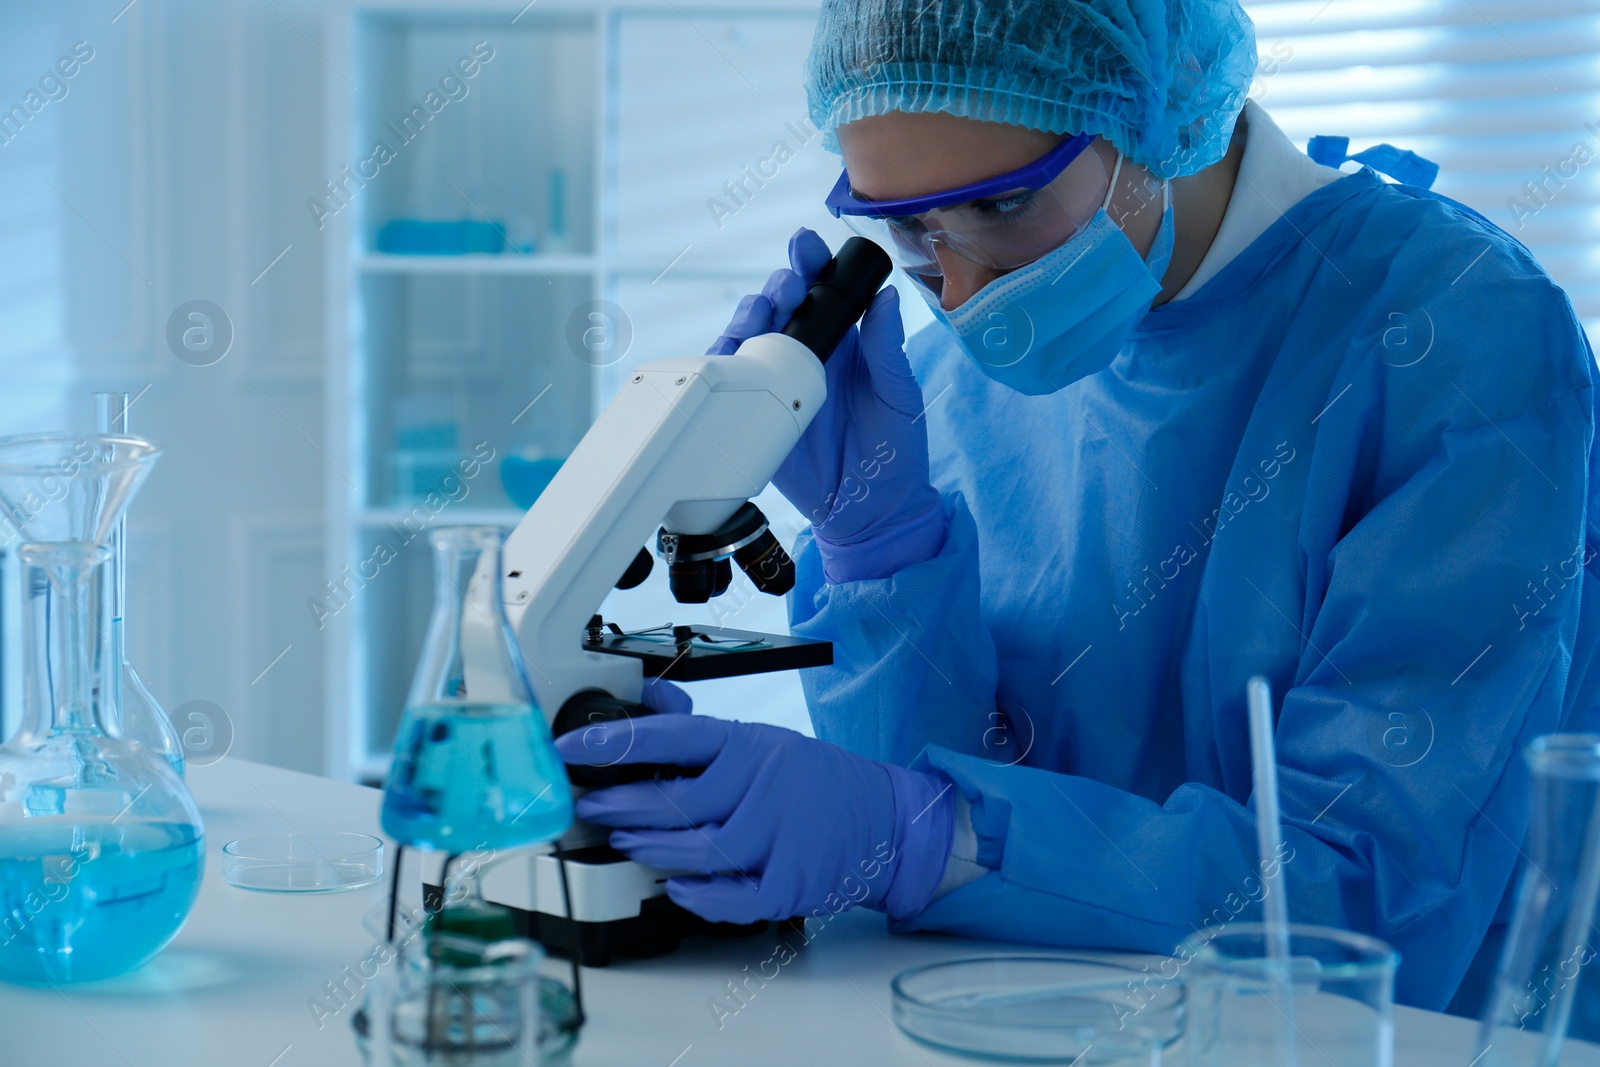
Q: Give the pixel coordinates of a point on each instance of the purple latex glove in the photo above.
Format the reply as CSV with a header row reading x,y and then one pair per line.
x,y
860,471
778,824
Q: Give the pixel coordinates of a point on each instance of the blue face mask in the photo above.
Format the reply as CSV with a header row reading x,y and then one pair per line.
x,y
1065,316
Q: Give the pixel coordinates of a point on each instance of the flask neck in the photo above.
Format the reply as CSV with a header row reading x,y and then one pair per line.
x,y
65,679
466,578
470,655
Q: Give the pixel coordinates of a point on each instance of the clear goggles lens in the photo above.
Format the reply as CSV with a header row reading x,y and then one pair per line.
x,y
1001,232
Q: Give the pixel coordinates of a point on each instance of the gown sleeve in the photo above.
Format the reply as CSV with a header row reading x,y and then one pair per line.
x,y
914,664
1416,850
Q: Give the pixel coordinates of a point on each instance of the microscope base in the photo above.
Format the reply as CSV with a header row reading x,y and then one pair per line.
x,y
659,928
619,908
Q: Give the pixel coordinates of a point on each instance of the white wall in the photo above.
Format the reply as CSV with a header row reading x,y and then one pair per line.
x,y
176,167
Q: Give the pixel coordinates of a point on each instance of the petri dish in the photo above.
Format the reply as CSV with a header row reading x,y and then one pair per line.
x,y
302,863
1040,1009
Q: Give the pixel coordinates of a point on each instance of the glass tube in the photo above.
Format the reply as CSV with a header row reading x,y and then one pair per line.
x,y
137,714
1544,986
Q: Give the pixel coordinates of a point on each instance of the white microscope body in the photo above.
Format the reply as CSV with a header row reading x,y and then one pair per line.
x,y
683,446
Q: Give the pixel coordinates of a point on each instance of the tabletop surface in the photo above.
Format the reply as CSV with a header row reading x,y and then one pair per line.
x,y
241,983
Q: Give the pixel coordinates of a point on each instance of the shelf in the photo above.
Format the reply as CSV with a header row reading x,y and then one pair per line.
x,y
744,274
449,516
534,263
571,135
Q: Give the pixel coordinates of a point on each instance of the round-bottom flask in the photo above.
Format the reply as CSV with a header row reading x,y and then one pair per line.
x,y
101,845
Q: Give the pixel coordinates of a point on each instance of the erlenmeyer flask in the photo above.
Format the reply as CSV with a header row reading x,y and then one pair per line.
x,y
101,846
1544,986
140,716
474,765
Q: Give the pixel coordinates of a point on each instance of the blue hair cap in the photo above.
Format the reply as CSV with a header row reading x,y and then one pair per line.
x,y
1162,80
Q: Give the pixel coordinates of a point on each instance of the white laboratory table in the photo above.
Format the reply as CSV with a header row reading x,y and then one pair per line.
x,y
235,987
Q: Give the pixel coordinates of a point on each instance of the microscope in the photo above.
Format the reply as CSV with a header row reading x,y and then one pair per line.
x,y
671,463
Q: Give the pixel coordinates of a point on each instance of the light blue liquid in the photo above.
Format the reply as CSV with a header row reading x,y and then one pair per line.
x,y
86,900
472,776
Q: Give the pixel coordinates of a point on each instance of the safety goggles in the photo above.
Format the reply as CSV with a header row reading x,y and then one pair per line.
x,y
1003,222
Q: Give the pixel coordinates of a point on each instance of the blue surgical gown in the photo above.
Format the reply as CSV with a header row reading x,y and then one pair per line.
x,y
1360,461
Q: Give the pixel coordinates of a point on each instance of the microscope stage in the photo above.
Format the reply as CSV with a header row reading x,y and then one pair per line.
x,y
699,653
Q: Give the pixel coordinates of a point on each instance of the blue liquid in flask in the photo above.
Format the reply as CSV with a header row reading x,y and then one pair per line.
x,y
475,776
82,901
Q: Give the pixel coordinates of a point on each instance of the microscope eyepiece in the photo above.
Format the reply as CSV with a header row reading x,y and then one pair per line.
x,y
841,294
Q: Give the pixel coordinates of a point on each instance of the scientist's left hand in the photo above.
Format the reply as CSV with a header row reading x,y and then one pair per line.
x,y
860,470
777,824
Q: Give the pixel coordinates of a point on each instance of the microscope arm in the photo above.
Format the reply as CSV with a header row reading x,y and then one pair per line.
x,y
686,441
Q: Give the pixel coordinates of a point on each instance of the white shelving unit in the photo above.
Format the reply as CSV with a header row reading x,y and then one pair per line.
x,y
652,112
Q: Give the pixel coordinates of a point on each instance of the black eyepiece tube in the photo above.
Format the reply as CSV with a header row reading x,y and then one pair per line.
x,y
840,295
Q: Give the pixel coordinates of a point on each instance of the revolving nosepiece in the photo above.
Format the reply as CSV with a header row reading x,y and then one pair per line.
x,y
698,567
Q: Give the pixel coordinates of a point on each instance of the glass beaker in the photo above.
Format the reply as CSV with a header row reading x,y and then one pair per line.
x,y
474,764
1542,985
140,716
1343,999
101,845
464,989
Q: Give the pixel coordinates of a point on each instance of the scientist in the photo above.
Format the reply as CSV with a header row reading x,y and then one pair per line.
x,y
1196,408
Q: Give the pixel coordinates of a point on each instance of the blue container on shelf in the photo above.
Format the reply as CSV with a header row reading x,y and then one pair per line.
x,y
427,437
427,237
525,473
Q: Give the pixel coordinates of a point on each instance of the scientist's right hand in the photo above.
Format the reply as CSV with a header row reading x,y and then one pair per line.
x,y
775,824
860,471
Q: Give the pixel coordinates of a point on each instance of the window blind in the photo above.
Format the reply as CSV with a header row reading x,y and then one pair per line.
x,y
1503,94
